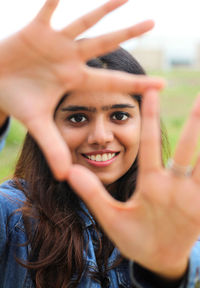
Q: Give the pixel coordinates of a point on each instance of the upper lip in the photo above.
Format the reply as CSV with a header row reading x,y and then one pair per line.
x,y
100,152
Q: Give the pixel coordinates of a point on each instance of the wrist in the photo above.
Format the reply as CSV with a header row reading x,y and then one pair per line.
x,y
173,272
143,276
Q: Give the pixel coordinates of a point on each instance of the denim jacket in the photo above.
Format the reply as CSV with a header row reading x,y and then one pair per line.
x,y
3,133
12,275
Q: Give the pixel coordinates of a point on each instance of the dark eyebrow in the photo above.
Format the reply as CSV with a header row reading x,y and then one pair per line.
x,y
117,106
75,108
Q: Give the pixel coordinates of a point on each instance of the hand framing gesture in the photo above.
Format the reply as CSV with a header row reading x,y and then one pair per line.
x,y
38,65
158,226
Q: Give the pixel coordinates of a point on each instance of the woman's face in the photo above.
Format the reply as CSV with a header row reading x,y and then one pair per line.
x,y
102,132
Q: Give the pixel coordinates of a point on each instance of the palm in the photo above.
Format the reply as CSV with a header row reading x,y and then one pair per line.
x,y
159,224
161,211
38,65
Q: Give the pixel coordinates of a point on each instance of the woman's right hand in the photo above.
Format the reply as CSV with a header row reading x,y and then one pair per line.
x,y
158,226
38,65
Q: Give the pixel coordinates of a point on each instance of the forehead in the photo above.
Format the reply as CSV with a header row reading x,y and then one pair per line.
x,y
97,99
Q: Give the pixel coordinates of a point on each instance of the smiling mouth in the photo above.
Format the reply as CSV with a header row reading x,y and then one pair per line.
x,y
101,157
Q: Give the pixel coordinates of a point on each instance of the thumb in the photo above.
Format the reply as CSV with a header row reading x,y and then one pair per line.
x,y
52,145
91,190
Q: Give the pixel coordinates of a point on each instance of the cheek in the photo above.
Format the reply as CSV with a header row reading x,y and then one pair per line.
x,y
131,141
130,137
74,138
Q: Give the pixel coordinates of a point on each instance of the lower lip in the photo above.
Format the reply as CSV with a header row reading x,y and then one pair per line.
x,y
101,163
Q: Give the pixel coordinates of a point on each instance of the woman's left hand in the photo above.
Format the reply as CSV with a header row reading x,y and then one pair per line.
x,y
158,226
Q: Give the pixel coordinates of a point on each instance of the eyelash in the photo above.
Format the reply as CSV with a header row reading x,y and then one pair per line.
x,y
122,114
76,116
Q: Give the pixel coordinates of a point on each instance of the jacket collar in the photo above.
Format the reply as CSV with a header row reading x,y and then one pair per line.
x,y
86,215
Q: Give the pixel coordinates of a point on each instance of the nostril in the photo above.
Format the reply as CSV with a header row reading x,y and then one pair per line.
x,y
100,137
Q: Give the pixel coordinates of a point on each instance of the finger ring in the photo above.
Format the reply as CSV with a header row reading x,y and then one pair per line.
x,y
178,170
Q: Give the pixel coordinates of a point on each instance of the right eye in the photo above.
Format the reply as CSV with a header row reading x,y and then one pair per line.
x,y
77,118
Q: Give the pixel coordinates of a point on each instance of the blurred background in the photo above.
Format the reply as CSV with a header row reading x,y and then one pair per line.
x,y
171,50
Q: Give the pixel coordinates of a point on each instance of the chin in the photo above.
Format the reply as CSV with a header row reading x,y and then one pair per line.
x,y
107,181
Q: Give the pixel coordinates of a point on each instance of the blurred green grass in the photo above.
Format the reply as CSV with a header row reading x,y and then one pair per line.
x,y
176,102
177,99
10,153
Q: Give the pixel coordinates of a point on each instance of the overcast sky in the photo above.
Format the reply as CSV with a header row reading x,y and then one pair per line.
x,y
177,21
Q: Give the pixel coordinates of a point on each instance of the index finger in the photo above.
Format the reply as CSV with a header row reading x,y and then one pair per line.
x,y
116,81
90,48
150,144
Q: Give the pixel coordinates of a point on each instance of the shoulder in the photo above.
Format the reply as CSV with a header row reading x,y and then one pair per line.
x,y
11,220
10,192
11,198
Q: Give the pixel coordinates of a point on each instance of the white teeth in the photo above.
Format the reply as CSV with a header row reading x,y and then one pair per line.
x,y
101,157
92,157
98,157
105,157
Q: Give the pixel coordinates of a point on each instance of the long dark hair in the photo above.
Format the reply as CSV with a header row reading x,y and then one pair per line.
x,y
54,228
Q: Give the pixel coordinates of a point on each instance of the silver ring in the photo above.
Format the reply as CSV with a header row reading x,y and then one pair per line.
x,y
178,170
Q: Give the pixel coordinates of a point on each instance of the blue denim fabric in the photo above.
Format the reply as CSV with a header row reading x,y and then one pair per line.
x,y
12,275
3,136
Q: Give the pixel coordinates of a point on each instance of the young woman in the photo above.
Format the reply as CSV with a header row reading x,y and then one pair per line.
x,y
48,237
53,240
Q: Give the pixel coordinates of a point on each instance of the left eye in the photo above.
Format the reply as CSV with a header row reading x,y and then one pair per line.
x,y
120,116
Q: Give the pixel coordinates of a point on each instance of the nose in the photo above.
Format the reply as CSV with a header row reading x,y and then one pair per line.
x,y
100,133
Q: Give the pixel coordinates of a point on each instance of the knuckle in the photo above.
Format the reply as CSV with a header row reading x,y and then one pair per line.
x,y
129,32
